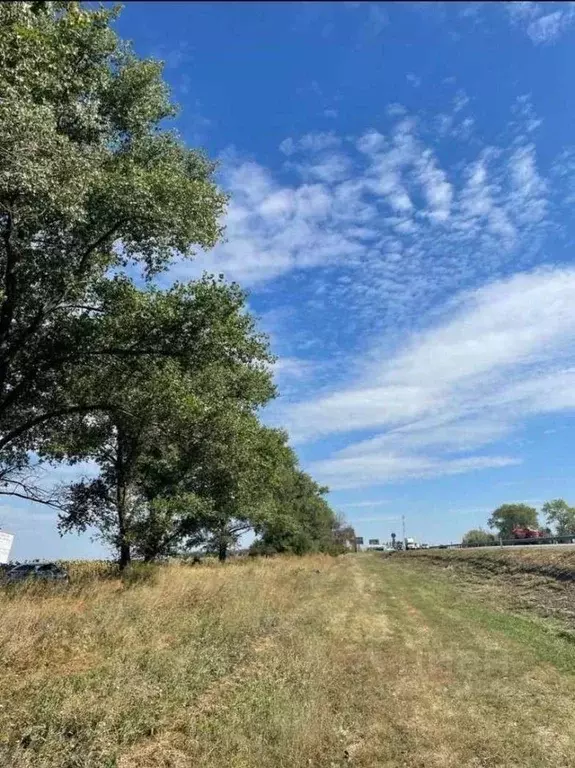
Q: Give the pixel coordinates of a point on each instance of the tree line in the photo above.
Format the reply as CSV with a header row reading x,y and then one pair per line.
x,y
559,521
160,388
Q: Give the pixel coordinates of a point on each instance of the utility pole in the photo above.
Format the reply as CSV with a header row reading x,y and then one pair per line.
x,y
403,528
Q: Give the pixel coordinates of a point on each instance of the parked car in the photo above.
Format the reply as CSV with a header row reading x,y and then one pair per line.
x,y
37,572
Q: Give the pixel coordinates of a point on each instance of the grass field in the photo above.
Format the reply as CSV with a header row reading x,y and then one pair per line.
x,y
557,562
357,660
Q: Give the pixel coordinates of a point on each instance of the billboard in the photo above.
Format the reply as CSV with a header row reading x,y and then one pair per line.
x,y
359,540
375,542
6,540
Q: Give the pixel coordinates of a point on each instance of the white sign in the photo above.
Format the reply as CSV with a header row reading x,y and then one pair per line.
x,y
6,540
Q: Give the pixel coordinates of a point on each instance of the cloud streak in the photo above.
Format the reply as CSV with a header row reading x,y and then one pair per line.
x,y
499,355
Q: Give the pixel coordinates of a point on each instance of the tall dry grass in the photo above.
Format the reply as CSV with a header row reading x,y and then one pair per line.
x,y
283,663
169,669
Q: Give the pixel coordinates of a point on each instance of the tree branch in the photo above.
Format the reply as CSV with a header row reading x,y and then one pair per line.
x,y
7,311
50,306
9,302
33,497
43,417
84,258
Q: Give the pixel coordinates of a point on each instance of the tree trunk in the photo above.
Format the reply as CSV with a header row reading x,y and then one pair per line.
x,y
121,499
222,549
125,555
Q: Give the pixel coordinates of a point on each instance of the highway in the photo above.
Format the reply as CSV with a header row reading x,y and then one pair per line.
x,y
506,546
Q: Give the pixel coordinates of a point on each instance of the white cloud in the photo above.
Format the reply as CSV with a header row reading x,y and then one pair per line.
x,y
540,26
460,101
528,189
288,146
377,18
290,366
436,188
375,519
548,27
387,208
438,433
361,504
522,11
330,168
498,355
311,142
341,474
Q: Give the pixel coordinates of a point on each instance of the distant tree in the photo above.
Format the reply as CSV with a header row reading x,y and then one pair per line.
x,y
508,516
477,537
236,466
343,536
301,519
558,512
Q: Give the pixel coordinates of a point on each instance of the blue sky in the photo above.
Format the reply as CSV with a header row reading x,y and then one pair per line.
x,y
402,181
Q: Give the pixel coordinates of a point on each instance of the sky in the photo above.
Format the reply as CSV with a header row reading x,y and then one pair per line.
x,y
402,213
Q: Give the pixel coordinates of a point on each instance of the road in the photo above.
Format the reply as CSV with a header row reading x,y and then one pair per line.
x,y
524,546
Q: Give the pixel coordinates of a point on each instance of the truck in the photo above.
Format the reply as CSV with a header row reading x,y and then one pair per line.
x,y
411,544
527,533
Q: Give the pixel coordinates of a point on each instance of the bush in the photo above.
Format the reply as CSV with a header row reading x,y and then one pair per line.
x,y
477,537
140,573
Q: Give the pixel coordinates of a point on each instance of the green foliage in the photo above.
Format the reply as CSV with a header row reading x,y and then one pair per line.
x,y
477,537
159,388
508,516
229,459
177,443
90,182
559,513
301,520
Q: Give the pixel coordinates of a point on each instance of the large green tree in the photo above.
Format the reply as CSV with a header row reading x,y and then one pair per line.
x,y
559,513
506,517
215,365
91,183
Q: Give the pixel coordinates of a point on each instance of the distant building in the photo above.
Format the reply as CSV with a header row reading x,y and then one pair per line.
x,y
6,540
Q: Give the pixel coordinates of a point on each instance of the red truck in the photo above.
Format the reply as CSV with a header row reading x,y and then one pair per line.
x,y
527,533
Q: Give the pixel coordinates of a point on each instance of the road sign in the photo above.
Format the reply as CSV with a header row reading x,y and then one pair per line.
x,y
359,540
6,540
374,542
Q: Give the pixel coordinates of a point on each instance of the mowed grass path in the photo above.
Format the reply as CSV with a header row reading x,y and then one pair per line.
x,y
318,661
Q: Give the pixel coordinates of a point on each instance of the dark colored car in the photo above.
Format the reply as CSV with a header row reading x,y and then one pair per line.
x,y
37,572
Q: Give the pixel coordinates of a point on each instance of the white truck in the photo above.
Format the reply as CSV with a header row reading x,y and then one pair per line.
x,y
411,544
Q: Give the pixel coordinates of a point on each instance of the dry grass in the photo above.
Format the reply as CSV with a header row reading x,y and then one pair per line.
x,y
555,561
287,662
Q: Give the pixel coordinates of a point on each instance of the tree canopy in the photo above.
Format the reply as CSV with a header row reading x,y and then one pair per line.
x,y
159,387
508,516
90,183
559,513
